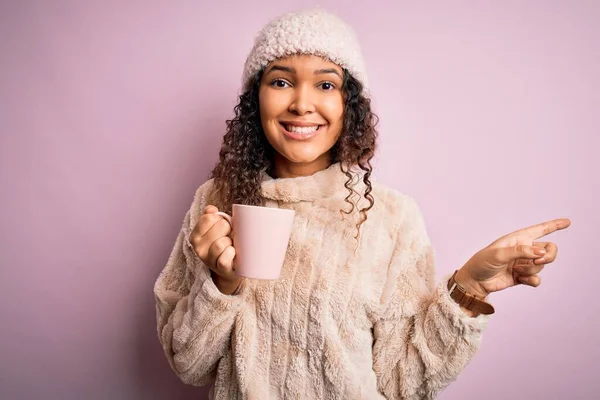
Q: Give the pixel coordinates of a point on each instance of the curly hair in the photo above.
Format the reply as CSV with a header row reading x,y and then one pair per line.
x,y
246,154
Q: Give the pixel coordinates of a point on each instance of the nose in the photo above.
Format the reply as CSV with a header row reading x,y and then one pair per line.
x,y
302,102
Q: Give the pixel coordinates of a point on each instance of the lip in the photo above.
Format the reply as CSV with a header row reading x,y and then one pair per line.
x,y
299,136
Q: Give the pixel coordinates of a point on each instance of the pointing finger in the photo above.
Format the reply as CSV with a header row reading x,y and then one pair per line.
x,y
545,228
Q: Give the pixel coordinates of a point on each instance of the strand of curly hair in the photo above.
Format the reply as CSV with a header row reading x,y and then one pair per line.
x,y
246,154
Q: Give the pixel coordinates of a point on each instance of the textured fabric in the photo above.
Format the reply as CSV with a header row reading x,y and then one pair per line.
x,y
346,319
315,32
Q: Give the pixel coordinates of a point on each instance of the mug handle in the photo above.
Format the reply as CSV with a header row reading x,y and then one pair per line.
x,y
227,218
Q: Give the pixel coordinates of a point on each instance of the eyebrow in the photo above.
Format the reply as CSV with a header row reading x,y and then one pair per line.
x,y
293,71
328,71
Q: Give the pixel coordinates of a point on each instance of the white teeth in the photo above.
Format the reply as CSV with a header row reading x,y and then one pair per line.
x,y
301,129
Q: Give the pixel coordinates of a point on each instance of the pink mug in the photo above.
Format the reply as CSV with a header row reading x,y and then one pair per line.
x,y
260,239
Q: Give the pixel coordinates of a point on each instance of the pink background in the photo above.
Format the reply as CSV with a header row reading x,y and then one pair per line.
x,y
112,114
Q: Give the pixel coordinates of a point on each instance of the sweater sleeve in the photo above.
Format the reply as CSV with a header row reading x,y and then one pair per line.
x,y
422,339
194,318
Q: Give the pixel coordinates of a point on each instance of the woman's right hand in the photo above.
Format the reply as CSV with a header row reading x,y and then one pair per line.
x,y
212,243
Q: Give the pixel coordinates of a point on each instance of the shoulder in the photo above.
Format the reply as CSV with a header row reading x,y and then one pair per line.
x,y
402,210
204,192
400,206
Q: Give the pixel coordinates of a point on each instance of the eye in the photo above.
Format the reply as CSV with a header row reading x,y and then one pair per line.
x,y
279,83
327,86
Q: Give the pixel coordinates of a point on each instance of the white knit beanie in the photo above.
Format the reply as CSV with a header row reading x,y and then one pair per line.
x,y
315,32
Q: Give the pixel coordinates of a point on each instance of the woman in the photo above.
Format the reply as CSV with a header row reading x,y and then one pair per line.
x,y
356,313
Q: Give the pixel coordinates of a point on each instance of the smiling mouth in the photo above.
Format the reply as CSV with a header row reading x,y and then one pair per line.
x,y
302,130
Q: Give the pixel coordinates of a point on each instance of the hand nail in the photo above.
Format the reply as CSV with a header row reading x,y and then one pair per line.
x,y
540,252
518,269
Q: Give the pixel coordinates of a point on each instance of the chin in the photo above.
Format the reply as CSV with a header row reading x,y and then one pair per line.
x,y
301,153
300,159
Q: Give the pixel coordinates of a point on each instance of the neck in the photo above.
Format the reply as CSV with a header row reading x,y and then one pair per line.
x,y
325,184
287,169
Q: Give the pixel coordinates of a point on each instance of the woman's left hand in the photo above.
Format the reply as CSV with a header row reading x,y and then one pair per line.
x,y
512,259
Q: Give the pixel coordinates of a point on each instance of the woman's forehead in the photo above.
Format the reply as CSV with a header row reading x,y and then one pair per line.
x,y
307,61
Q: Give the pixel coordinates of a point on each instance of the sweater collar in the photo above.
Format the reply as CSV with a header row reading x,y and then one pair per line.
x,y
320,185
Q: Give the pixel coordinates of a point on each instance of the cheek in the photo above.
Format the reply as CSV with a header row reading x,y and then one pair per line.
x,y
271,103
333,110
264,106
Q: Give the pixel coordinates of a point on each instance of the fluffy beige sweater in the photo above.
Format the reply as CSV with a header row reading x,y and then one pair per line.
x,y
340,323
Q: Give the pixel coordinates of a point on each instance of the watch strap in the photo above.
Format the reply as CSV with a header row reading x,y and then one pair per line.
x,y
460,295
